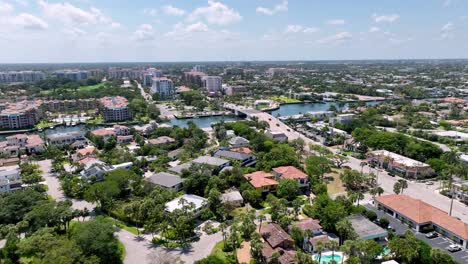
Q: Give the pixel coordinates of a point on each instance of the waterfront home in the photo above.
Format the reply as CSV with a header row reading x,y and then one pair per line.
x,y
146,128
293,173
94,168
405,166
245,160
108,132
18,143
215,162
419,215
166,180
342,118
64,138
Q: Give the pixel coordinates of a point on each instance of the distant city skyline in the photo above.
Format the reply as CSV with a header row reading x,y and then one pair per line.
x,y
230,30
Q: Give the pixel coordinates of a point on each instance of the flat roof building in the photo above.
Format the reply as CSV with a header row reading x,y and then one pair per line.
x,y
406,166
365,229
115,108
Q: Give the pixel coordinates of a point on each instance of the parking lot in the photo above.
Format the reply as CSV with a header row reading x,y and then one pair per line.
x,y
438,242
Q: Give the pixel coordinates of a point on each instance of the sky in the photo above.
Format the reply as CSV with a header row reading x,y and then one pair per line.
x,y
33,31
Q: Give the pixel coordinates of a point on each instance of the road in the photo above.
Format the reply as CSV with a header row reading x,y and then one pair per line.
x,y
139,250
54,189
145,95
418,190
443,147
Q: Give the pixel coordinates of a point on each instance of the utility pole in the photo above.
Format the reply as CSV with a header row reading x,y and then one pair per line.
x,y
451,196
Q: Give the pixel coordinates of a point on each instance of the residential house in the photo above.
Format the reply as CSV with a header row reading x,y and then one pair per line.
x,y
115,131
232,198
277,240
94,168
215,162
146,128
10,178
342,118
198,202
164,140
238,142
166,180
293,173
367,230
65,138
275,135
409,168
246,160
418,215
16,144
262,181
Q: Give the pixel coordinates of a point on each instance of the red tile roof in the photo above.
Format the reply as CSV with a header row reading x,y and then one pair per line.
x,y
308,224
290,172
260,178
245,150
86,151
103,132
421,212
275,235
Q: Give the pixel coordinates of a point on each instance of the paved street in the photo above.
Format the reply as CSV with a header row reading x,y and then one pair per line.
x,y
139,250
439,242
145,95
54,190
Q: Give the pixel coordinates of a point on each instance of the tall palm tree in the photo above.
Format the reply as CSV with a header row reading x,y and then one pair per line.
x,y
346,249
319,247
261,218
333,245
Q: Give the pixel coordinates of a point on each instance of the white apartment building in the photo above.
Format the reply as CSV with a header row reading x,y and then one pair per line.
x,y
213,84
164,87
74,75
21,76
149,75
199,68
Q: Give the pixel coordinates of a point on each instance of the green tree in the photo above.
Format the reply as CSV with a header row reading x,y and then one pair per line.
x,y
406,249
288,188
345,230
317,166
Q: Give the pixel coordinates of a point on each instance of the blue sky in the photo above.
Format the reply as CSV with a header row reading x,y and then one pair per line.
x,y
216,30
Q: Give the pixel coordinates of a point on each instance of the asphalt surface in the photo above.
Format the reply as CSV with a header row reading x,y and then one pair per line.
x,y
439,242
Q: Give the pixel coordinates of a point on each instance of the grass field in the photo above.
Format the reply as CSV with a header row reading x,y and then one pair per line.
x,y
336,185
218,251
81,89
285,100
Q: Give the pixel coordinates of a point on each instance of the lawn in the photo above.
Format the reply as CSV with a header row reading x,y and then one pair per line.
x,y
285,100
122,225
91,87
44,124
238,212
122,249
335,186
227,257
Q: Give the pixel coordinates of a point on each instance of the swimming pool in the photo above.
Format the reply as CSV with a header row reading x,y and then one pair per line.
x,y
327,257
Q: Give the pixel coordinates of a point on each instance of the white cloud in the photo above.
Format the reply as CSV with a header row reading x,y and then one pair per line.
x,y
447,30
337,38
28,21
374,29
70,14
300,29
216,13
336,22
385,18
144,32
173,11
197,27
150,11
281,7
74,32
5,8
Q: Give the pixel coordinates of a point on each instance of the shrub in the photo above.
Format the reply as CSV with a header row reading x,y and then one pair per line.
x,y
371,215
384,222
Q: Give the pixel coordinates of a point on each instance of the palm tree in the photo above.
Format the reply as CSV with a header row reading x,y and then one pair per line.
x,y
403,185
261,218
319,247
346,249
333,245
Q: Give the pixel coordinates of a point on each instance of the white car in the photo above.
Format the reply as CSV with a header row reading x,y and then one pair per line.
x,y
454,248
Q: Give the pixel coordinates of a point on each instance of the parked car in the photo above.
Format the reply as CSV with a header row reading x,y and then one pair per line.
x,y
431,235
391,174
429,183
454,248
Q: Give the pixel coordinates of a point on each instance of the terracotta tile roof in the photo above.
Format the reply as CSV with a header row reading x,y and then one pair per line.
x,y
243,150
260,178
288,257
314,240
421,212
274,235
114,102
161,140
308,224
290,172
103,132
86,151
86,160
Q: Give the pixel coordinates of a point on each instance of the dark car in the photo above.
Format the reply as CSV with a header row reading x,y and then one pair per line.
x,y
431,235
391,174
